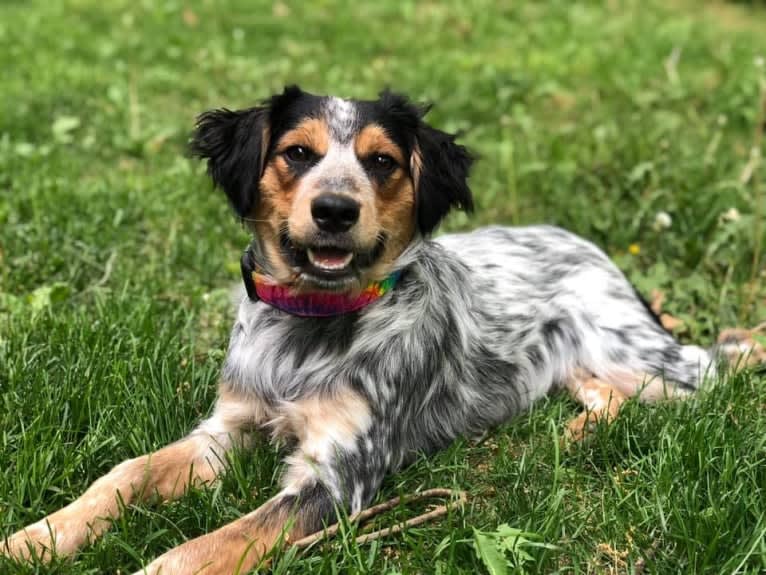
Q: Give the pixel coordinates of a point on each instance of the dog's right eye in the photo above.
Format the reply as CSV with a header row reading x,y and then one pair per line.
x,y
299,155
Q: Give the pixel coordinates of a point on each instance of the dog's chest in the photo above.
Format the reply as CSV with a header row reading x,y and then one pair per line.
x,y
285,359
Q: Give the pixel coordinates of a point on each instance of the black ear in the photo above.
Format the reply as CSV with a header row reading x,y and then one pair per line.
x,y
440,169
235,145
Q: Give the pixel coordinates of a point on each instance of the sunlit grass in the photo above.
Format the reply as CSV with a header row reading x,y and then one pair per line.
x,y
116,257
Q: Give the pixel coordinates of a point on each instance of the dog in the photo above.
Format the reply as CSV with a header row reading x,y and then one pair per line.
x,y
361,342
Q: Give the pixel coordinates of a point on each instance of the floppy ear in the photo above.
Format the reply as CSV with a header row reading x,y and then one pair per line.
x,y
235,145
440,170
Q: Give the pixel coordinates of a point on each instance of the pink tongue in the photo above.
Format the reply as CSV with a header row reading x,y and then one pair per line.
x,y
329,256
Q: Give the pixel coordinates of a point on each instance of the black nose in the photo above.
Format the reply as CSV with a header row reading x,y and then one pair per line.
x,y
334,213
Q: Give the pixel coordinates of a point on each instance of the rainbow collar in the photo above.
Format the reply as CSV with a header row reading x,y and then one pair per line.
x,y
261,286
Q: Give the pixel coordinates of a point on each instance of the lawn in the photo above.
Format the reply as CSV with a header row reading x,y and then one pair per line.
x,y
117,258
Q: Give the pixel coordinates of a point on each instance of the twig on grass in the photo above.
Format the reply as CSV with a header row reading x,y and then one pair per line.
x,y
459,499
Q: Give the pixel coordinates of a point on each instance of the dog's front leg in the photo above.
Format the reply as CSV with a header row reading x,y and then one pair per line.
x,y
238,547
339,463
166,474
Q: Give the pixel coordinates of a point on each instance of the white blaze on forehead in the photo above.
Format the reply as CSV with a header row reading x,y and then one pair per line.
x,y
339,171
340,162
341,118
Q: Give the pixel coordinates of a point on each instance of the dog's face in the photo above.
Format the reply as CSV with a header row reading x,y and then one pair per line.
x,y
333,189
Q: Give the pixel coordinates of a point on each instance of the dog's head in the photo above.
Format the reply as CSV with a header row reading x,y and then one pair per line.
x,y
333,189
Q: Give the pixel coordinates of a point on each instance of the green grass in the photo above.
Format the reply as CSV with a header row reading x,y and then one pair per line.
x,y
116,258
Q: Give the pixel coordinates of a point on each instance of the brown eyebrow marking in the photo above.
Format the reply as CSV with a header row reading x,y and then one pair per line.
x,y
313,133
373,139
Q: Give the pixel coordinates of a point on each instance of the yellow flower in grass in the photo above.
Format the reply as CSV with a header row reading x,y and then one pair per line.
x,y
634,249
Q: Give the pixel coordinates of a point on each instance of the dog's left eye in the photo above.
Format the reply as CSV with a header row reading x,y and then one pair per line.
x,y
381,163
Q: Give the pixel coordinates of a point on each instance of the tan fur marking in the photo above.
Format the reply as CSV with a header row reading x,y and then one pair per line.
x,y
374,140
312,133
235,548
345,414
602,402
238,412
279,186
395,205
301,221
416,165
319,424
394,197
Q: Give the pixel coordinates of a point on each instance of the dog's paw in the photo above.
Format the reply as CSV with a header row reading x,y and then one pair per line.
x,y
61,533
579,428
743,348
37,539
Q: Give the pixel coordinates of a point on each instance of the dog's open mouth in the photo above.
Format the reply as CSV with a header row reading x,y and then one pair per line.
x,y
331,261
329,258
